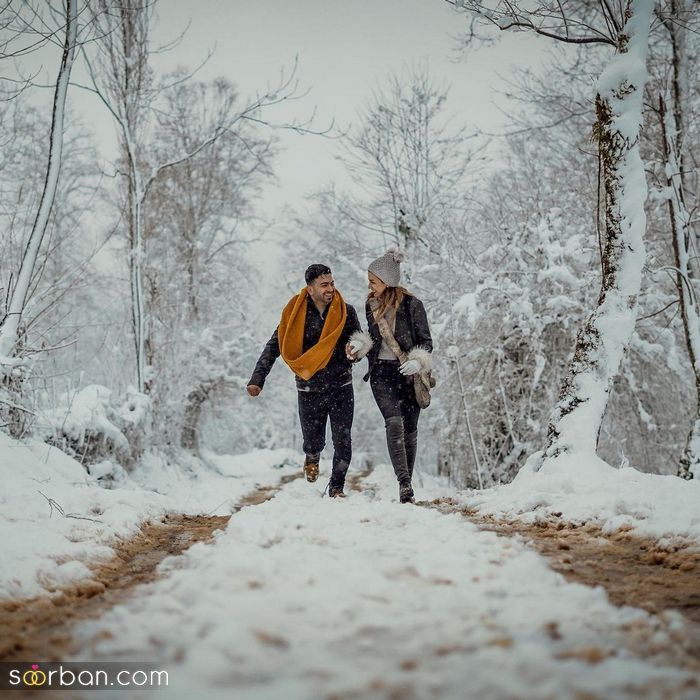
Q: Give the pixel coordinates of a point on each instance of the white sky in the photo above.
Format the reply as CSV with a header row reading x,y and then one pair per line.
x,y
345,50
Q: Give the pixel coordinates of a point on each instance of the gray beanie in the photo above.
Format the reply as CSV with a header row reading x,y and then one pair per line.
x,y
387,267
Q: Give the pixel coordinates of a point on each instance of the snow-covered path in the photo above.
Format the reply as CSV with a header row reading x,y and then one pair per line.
x,y
308,597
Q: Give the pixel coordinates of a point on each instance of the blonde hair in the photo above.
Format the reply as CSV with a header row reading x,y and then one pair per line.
x,y
390,298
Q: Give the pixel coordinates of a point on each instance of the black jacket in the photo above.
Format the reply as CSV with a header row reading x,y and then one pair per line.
x,y
336,373
411,329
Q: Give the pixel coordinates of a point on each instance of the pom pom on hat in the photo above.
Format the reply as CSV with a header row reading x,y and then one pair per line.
x,y
396,252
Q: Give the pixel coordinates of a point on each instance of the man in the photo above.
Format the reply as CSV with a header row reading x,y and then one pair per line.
x,y
319,337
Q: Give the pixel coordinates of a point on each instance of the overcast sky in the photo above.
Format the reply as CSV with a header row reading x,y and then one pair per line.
x,y
345,50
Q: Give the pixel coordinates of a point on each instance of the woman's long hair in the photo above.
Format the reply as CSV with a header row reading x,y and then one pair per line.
x,y
390,299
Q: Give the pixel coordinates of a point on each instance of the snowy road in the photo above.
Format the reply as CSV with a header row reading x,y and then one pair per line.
x,y
307,597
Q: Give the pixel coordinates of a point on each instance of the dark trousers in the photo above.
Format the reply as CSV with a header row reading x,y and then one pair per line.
x,y
315,408
396,399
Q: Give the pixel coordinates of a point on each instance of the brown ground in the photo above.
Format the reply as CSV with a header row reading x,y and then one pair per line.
x,y
633,571
40,628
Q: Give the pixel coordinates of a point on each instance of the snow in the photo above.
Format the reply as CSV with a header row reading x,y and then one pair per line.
x,y
41,549
305,596
561,274
468,305
83,412
583,488
629,68
576,420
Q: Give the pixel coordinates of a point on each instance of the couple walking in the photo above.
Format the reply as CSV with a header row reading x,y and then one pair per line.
x,y
320,338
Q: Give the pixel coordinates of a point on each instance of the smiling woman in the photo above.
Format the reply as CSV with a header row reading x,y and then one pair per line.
x,y
400,358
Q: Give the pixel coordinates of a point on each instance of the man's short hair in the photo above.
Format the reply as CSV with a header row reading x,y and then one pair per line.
x,y
316,270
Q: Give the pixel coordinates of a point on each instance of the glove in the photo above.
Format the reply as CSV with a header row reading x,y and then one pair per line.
x,y
409,367
355,345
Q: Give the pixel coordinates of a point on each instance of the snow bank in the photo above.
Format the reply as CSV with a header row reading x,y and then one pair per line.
x,y
55,516
308,597
585,489
84,412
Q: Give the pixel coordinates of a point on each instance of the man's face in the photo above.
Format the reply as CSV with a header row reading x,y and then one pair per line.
x,y
322,289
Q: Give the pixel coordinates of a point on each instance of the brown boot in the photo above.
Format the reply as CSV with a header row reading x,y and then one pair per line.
x,y
311,468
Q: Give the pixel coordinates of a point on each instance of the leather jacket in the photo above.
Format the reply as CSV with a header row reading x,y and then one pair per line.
x,y
411,329
336,373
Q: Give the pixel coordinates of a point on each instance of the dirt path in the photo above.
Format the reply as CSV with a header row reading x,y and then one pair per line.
x,y
40,628
633,570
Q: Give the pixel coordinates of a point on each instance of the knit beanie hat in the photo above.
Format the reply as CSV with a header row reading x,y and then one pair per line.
x,y
387,267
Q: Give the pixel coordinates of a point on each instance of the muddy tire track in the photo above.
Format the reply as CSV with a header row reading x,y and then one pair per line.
x,y
354,481
635,571
41,627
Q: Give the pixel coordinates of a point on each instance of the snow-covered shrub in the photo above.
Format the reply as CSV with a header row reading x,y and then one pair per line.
x,y
90,425
511,338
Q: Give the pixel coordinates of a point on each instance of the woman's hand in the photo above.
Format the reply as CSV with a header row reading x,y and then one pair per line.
x,y
409,367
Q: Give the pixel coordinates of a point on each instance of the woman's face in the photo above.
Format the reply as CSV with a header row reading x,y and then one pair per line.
x,y
376,286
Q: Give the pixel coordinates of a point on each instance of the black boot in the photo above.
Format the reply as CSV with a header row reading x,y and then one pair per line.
x,y
397,448
337,482
411,442
406,493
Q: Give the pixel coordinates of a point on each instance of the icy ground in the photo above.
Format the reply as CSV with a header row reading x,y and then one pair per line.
x,y
307,597
54,516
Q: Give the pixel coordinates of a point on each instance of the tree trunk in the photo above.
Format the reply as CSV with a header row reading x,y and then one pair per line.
x,y
11,323
689,464
605,336
133,77
680,94
189,436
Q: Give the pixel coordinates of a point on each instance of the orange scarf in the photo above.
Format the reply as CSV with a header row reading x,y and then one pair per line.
x,y
290,334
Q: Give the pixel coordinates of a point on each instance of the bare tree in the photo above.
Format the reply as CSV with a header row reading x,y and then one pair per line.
x,y
409,165
121,76
198,217
604,337
677,16
11,324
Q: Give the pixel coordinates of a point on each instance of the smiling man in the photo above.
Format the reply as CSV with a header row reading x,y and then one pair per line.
x,y
319,337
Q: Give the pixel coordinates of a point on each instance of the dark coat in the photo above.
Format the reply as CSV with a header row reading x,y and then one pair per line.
x,y
336,373
411,329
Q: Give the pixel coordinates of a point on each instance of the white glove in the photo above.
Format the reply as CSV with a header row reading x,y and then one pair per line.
x,y
409,367
356,345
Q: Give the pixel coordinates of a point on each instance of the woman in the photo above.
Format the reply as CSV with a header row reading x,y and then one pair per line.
x,y
392,381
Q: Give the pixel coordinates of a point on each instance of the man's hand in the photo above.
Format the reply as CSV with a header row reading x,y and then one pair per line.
x,y
253,390
351,349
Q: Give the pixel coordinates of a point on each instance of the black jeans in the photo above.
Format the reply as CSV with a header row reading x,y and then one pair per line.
x,y
315,407
396,399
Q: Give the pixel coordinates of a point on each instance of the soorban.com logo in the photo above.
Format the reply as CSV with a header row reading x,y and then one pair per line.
x,y
82,674
34,677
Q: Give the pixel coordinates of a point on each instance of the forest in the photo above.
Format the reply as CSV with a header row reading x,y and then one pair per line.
x,y
561,294
487,209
